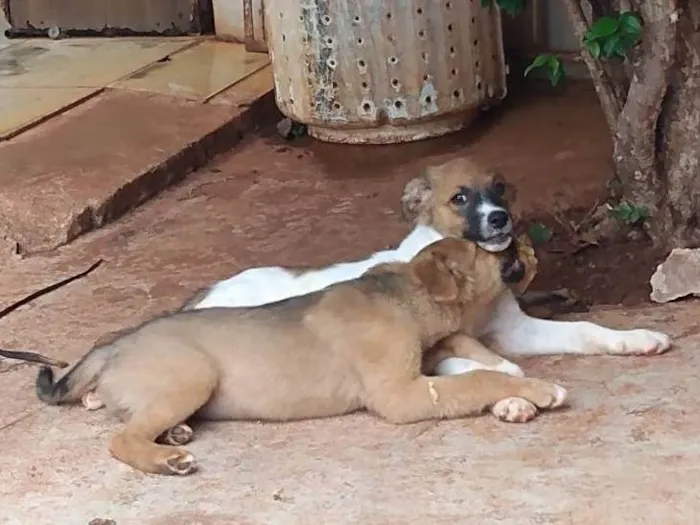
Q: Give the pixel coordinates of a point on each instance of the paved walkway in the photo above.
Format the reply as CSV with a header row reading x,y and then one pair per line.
x,y
92,127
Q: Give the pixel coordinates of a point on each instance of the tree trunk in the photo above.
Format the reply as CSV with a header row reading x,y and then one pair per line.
x,y
657,144
656,127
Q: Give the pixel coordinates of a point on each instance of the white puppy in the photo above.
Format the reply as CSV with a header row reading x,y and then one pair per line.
x,y
458,198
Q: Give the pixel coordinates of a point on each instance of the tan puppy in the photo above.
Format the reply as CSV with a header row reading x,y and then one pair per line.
x,y
354,345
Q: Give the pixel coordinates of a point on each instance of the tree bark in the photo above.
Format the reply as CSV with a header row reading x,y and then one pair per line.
x,y
636,147
656,128
678,144
657,143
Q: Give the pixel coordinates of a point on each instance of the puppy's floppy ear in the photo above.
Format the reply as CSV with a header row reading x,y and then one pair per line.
x,y
434,269
503,188
415,194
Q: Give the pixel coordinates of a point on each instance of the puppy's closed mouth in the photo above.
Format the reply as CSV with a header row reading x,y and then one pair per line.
x,y
497,243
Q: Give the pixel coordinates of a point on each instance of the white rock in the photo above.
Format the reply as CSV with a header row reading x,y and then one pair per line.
x,y
678,276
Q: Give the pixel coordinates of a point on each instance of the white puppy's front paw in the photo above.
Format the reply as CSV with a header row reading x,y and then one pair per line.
x,y
509,368
638,342
514,410
451,366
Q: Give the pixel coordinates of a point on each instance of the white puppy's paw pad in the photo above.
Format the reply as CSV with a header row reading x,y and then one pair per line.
x,y
640,342
514,410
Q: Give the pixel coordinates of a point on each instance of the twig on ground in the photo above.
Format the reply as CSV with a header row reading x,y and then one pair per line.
x,y
48,289
32,356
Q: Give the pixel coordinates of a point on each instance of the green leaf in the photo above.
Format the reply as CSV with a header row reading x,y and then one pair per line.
x,y
512,7
620,52
539,61
629,41
630,213
485,3
555,76
605,26
539,233
630,23
555,71
612,47
593,48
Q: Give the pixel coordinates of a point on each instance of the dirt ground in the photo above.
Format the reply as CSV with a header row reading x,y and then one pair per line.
x,y
597,274
625,451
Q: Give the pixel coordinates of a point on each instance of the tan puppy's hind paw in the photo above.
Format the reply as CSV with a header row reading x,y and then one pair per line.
x,y
180,463
178,435
92,401
514,410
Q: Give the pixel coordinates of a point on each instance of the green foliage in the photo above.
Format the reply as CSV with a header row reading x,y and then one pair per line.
x,y
613,36
297,130
609,37
512,7
629,213
551,63
539,233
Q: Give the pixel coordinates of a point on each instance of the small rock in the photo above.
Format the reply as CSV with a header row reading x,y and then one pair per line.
x,y
289,129
284,127
102,521
678,276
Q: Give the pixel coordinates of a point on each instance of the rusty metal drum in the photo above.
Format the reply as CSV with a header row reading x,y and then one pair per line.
x,y
384,71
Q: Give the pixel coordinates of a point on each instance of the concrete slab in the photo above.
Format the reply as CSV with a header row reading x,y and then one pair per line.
x,y
82,62
197,73
102,158
22,108
41,78
625,452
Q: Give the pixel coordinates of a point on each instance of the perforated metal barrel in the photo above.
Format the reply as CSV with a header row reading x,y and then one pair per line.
x,y
384,71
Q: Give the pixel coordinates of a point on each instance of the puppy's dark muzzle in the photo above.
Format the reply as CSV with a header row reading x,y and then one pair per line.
x,y
498,220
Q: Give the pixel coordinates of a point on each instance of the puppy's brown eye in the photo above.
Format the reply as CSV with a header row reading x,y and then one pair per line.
x,y
459,198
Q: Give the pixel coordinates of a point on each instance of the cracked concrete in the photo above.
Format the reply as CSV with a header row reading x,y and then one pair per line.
x,y
93,166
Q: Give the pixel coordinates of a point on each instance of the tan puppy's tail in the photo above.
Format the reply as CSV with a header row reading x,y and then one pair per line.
x,y
77,381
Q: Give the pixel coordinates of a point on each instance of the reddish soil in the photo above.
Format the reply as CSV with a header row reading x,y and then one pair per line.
x,y
607,273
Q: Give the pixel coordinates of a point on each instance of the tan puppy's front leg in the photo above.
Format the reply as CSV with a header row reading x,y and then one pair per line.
x,y
406,400
460,354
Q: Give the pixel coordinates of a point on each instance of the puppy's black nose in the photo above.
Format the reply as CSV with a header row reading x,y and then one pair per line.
x,y
498,219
